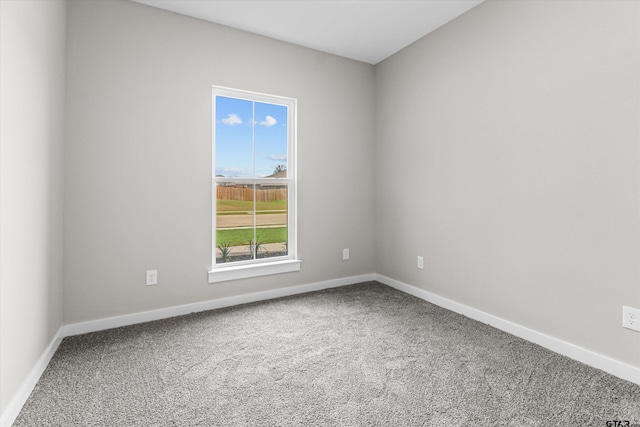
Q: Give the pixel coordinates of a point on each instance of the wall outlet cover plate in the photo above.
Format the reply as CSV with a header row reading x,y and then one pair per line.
x,y
631,318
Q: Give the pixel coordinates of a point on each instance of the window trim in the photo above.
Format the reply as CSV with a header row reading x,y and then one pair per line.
x,y
264,266
253,270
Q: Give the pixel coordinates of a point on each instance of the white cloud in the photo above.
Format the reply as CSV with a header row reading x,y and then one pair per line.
x,y
232,172
268,121
277,158
232,119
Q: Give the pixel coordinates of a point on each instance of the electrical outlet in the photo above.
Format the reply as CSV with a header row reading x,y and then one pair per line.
x,y
631,318
420,262
152,277
345,254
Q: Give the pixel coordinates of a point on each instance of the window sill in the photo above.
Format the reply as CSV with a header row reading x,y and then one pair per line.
x,y
223,274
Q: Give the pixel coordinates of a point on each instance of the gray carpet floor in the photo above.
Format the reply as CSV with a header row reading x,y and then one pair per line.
x,y
360,355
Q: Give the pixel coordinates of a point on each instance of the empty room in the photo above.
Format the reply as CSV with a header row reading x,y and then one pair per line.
x,y
319,212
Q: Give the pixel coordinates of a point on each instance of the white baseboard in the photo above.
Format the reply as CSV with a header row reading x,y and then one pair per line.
x,y
588,357
164,313
11,412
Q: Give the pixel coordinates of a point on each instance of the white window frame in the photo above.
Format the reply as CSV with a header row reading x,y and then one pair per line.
x,y
263,266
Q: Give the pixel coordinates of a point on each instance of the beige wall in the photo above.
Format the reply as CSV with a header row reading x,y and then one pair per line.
x,y
507,156
138,156
32,37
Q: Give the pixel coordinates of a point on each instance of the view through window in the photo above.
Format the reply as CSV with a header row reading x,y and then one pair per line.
x,y
253,177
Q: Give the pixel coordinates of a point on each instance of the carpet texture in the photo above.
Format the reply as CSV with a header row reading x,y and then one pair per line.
x,y
360,355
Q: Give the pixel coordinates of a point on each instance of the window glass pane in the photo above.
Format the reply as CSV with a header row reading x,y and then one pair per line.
x,y
270,140
234,137
236,237
235,219
271,219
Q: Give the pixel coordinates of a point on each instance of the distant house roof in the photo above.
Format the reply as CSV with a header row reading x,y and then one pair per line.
x,y
279,174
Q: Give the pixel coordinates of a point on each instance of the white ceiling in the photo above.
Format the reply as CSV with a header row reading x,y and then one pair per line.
x,y
364,30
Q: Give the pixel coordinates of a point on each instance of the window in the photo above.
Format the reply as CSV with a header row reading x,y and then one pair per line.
x,y
254,185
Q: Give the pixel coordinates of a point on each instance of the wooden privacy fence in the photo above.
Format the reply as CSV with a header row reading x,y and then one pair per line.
x,y
243,193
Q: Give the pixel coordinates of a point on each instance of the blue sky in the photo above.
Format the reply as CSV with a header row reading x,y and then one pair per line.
x,y
235,137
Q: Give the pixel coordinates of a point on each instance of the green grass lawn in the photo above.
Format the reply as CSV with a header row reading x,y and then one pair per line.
x,y
241,237
223,205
